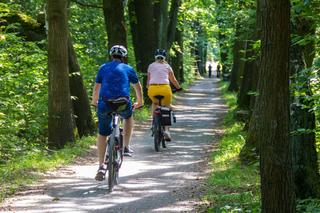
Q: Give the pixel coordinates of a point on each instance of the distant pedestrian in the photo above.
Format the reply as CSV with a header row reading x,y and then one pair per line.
x,y
210,70
218,70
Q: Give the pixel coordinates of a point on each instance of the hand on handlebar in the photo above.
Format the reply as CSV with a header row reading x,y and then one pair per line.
x,y
137,105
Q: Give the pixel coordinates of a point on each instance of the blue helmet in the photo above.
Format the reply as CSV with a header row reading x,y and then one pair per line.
x,y
160,54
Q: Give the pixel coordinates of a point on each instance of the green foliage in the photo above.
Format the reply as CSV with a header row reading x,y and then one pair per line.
x,y
142,114
232,187
23,82
308,206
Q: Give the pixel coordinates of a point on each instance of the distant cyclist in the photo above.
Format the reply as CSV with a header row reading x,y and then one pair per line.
x,y
160,74
113,81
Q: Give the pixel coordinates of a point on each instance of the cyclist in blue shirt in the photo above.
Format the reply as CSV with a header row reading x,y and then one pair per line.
x,y
113,81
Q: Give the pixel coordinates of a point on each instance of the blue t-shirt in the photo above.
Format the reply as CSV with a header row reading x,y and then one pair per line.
x,y
115,78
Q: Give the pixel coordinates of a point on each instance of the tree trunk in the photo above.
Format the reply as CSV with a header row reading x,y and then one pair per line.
x,y
172,27
272,110
60,126
177,59
161,17
250,151
306,169
247,79
80,101
113,11
144,38
236,66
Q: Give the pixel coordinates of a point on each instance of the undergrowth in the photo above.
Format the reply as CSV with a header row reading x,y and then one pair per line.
x,y
233,187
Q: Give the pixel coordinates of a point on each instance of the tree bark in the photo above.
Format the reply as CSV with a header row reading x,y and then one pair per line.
x,y
80,101
113,11
272,110
60,126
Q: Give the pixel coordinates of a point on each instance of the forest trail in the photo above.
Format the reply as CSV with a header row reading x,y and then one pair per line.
x,y
171,180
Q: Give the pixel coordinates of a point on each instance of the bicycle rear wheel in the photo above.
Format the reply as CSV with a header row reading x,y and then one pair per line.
x,y
112,165
157,133
163,142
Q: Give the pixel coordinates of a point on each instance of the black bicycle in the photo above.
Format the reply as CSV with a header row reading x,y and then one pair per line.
x,y
162,116
158,129
114,152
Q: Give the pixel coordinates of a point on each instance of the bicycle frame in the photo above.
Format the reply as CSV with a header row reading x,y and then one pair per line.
x,y
114,152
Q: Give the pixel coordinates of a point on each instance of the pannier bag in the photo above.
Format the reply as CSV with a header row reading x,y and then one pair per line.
x,y
166,116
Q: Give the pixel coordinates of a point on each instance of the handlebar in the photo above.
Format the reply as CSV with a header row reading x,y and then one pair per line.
x,y
174,90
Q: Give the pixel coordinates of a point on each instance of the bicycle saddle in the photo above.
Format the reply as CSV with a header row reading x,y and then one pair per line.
x,y
119,104
159,97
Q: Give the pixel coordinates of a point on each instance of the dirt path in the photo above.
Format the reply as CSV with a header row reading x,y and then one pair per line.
x,y
171,180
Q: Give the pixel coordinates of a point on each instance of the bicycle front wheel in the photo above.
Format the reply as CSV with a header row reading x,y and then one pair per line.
x,y
157,133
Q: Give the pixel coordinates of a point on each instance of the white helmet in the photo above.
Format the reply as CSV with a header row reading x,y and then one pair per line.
x,y
118,50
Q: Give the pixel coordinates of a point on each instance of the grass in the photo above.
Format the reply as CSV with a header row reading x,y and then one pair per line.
x,y
232,187
21,172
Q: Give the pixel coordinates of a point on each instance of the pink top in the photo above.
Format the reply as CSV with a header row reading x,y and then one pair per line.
x,y
159,73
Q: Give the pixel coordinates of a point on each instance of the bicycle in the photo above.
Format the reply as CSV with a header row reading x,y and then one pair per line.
x,y
115,148
161,118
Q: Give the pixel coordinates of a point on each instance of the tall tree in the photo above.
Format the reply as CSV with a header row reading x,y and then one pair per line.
x,y
161,20
306,169
177,59
59,107
222,36
239,47
173,21
246,101
115,22
143,33
271,111
80,100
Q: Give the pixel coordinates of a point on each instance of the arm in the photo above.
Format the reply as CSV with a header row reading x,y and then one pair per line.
x,y
95,94
173,80
138,90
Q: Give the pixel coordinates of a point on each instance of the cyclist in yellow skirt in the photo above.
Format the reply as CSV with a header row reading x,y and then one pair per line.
x,y
160,74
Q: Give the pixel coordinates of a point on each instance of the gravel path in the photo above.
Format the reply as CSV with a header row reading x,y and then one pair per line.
x,y
171,180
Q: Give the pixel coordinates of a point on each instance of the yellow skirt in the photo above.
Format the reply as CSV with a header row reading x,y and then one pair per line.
x,y
164,90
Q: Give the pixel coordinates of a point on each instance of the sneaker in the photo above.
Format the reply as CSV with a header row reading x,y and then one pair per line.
x,y
167,136
101,174
126,152
130,150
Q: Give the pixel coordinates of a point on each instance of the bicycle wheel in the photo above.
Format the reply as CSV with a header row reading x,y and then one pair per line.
x,y
112,170
163,141
157,133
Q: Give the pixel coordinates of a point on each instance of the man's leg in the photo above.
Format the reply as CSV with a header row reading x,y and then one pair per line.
x,y
127,131
101,145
